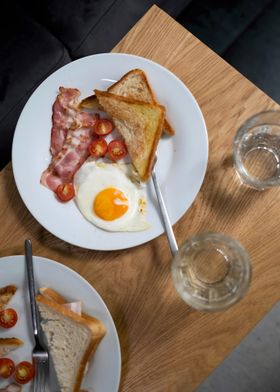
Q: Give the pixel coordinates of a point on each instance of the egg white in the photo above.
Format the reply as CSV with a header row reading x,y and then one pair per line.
x,y
93,177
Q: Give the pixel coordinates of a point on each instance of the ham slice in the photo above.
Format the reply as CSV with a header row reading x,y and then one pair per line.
x,y
71,136
75,307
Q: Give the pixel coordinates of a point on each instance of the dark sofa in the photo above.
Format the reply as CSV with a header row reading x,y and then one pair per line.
x,y
42,36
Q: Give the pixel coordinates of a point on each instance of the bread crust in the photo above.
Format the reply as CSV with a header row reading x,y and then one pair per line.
x,y
151,160
157,135
166,127
6,293
9,344
13,341
52,295
95,326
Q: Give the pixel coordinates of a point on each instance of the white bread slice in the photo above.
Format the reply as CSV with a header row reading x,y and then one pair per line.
x,y
71,340
134,84
9,344
140,124
6,293
53,295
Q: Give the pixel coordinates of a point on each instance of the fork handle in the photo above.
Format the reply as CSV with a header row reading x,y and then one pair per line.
x,y
167,224
31,286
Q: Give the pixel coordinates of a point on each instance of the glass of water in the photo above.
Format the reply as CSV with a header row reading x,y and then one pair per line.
x,y
256,150
211,271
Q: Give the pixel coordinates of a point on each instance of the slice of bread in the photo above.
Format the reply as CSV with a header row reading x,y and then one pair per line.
x,y
6,293
71,340
9,344
140,124
134,84
53,295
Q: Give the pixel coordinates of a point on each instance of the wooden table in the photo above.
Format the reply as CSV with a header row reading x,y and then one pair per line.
x,y
166,345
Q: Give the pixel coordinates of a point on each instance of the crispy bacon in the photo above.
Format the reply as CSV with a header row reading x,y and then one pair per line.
x,y
67,116
63,118
72,155
71,136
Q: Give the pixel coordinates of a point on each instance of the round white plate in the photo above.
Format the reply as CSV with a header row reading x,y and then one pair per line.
x,y
105,368
181,164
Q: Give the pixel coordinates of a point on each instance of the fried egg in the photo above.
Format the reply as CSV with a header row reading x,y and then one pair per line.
x,y
108,197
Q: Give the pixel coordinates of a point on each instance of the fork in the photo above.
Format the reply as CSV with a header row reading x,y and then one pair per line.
x,y
164,213
40,355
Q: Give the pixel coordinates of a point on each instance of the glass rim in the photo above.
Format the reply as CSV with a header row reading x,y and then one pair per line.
x,y
242,130
222,304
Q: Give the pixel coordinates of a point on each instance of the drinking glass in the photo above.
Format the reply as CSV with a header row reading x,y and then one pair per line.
x,y
256,150
211,271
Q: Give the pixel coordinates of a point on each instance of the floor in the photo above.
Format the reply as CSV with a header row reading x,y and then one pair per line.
x,y
254,365
247,35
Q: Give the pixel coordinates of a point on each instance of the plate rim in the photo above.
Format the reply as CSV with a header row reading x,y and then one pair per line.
x,y
122,245
81,278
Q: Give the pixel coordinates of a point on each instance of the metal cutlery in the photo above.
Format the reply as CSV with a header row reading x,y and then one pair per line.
x,y
40,355
164,213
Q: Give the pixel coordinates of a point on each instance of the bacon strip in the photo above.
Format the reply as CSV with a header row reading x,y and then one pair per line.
x,y
71,136
63,117
72,155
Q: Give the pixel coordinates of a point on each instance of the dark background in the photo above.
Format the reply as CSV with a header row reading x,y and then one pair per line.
x,y
39,37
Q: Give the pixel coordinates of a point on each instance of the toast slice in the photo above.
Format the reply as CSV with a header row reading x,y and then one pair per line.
x,y
140,124
72,339
9,344
134,84
6,293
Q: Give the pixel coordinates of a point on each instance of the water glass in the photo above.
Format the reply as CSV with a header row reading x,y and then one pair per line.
x,y
211,271
256,150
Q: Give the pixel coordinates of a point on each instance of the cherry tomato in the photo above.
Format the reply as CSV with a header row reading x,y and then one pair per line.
x,y
98,148
103,127
8,318
24,372
117,149
7,367
65,192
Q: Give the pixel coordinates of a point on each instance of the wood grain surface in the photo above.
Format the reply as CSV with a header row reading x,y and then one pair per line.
x,y
166,345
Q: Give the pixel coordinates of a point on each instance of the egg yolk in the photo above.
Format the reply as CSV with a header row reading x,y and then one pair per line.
x,y
110,204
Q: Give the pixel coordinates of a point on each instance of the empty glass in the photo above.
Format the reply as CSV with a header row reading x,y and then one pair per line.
x,y
211,271
256,150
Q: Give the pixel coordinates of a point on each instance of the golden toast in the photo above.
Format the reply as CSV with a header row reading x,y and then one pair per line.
x,y
134,84
139,123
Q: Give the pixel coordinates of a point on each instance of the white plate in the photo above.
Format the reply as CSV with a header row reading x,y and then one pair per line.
x,y
182,159
105,368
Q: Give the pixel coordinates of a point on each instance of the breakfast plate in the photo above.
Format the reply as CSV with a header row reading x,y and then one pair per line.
x,y
181,164
105,368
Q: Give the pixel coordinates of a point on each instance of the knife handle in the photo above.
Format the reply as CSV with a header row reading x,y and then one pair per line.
x,y
31,286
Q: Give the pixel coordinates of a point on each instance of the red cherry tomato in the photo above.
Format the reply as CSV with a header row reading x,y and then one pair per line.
x,y
98,148
7,367
65,192
8,318
103,127
117,149
24,372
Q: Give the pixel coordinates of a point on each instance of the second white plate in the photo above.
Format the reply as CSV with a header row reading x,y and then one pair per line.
x,y
105,368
